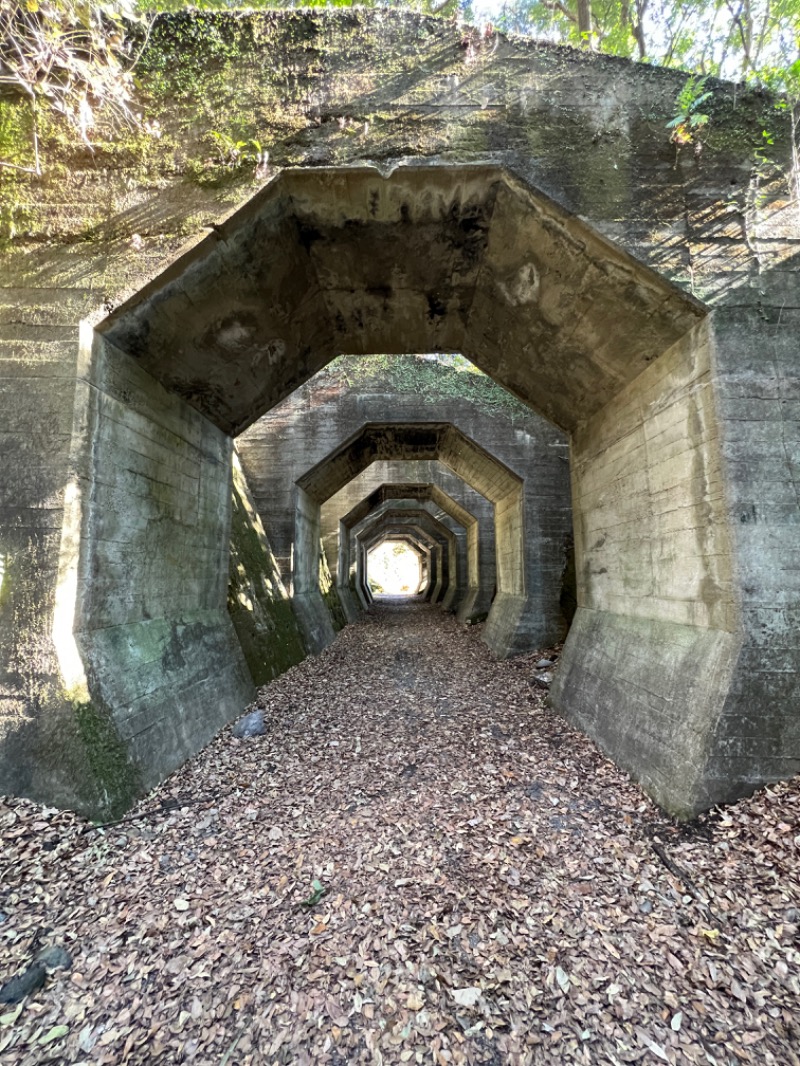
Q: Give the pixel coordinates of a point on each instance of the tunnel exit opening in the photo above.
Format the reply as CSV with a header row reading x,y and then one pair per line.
x,y
393,569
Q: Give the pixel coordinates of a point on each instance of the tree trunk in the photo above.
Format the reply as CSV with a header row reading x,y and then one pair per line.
x,y
585,22
638,29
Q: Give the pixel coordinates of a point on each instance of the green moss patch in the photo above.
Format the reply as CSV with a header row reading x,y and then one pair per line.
x,y
259,607
114,777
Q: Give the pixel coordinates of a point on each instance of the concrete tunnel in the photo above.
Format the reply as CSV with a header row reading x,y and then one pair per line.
x,y
466,259
440,540
397,542
477,582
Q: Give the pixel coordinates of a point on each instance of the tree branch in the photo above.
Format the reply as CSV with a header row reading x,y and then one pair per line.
x,y
556,5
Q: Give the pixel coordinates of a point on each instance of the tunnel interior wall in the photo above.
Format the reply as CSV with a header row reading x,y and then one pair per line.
x,y
457,546
259,605
657,630
758,393
161,654
468,599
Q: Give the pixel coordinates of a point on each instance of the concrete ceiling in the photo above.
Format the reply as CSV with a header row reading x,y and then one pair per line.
x,y
410,441
408,491
326,261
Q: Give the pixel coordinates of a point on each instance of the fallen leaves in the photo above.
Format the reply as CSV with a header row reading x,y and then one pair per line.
x,y
56,1033
491,890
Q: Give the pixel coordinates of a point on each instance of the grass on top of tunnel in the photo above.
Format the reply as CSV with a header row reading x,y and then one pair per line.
x,y
420,862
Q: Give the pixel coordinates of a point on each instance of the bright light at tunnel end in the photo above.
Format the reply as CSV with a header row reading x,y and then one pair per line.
x,y
393,569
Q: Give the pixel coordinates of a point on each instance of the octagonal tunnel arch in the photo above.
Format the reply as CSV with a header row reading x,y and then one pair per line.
x,y
433,258
446,585
421,529
388,474
427,548
446,554
394,569
513,623
469,573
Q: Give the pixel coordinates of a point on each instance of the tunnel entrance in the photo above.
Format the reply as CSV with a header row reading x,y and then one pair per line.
x,y
468,591
461,258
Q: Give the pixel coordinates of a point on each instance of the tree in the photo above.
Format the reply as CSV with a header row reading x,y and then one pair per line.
x,y
727,38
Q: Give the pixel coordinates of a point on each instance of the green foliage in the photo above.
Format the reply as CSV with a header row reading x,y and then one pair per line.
x,y
689,120
113,773
318,890
725,38
236,153
449,377
445,8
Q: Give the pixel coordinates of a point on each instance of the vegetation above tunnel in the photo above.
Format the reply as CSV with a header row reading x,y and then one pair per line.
x,y
83,83
435,377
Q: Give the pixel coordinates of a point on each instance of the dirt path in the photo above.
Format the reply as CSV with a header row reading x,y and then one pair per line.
x,y
493,891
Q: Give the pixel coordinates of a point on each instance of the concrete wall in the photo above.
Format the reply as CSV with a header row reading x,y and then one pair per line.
x,y
588,132
146,591
655,573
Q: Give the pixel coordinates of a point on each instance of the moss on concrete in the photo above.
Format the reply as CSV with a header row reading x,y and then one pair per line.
x,y
259,607
319,86
113,777
330,594
429,378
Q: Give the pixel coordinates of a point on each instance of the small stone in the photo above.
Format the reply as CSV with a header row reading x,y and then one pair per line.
x,y
15,990
646,906
55,958
251,725
543,664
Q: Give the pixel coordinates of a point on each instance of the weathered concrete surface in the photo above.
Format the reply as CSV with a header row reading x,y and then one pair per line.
x,y
587,131
258,603
329,245
143,592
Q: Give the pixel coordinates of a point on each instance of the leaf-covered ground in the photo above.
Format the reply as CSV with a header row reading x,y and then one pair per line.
x,y
490,889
